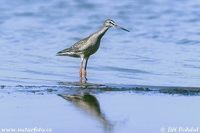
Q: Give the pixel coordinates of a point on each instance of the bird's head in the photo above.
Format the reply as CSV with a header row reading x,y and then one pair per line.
x,y
110,23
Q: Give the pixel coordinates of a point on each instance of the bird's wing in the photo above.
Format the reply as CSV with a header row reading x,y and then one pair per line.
x,y
77,47
80,45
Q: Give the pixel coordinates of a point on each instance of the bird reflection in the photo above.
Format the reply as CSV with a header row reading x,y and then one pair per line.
x,y
89,104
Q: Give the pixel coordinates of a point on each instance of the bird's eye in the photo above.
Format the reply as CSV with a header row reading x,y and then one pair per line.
x,y
111,22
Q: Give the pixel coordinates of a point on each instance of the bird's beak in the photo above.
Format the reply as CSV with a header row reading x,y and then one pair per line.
x,y
119,27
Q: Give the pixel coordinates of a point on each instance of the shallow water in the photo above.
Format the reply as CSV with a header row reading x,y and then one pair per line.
x,y
111,112
162,48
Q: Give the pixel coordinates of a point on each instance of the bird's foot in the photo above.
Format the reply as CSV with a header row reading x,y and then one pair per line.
x,y
81,80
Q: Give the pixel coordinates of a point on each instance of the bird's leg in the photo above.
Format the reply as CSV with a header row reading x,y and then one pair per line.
x,y
81,65
85,71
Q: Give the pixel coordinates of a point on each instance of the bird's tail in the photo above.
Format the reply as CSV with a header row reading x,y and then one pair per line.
x,y
67,52
60,54
63,52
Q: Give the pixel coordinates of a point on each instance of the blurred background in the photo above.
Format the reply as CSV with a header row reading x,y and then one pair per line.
x,y
161,49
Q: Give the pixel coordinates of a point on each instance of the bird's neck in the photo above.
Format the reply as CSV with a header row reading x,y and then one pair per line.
x,y
102,31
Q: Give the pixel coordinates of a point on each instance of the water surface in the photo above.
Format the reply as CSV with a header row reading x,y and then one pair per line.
x,y
162,48
143,81
107,112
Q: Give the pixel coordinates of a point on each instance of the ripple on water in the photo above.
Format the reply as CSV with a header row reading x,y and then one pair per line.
x,y
161,48
188,42
78,88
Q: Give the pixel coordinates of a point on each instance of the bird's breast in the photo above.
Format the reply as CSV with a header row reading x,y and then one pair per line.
x,y
92,48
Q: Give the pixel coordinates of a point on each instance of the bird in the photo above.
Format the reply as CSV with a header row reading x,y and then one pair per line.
x,y
86,47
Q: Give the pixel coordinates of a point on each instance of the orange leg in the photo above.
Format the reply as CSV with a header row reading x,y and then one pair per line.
x,y
85,69
85,73
81,70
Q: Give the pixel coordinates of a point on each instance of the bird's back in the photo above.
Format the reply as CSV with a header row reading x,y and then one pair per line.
x,y
75,50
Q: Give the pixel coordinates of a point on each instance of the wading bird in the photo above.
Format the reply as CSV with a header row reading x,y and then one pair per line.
x,y
88,46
